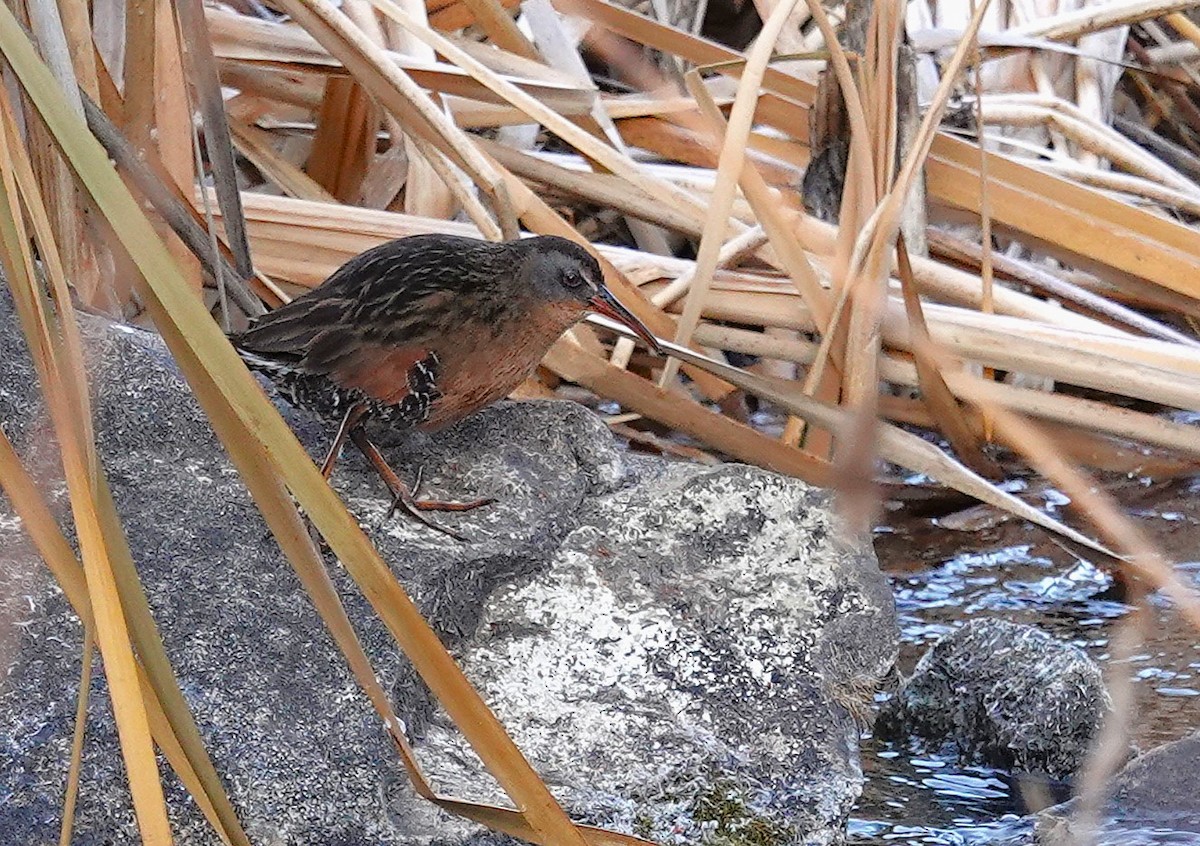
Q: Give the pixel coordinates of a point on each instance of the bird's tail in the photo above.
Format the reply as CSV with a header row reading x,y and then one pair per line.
x,y
269,365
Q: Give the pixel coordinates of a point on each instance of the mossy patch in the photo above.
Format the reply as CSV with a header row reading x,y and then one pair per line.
x,y
736,824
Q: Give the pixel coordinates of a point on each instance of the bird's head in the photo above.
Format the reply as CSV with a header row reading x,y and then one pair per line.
x,y
561,272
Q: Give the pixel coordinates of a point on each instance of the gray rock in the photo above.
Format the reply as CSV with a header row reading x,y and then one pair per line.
x,y
711,624
678,649
1006,695
1154,799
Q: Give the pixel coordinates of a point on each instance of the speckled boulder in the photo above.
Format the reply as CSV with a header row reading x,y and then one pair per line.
x,y
678,649
706,627
1003,694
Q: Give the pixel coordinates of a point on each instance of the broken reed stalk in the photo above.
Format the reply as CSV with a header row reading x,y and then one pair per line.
x,y
729,166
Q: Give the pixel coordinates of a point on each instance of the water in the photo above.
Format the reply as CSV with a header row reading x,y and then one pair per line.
x,y
915,798
942,578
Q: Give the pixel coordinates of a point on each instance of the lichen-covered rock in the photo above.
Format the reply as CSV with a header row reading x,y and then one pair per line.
x,y
1155,796
708,626
677,648
1003,694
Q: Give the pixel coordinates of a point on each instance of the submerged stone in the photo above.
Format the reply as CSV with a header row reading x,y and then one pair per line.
x,y
1003,694
1155,798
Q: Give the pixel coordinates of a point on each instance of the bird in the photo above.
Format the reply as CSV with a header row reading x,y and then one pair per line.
x,y
423,331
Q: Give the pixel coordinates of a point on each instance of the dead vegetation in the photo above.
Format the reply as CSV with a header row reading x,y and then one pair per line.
x,y
822,208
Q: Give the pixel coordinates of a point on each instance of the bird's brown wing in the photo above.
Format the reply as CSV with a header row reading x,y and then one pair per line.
x,y
289,331
399,300
378,357
320,339
374,325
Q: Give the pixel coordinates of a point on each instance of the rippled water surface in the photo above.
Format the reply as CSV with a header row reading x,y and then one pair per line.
x,y
943,577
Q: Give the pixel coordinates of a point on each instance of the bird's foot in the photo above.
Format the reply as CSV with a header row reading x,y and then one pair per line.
x,y
402,496
410,507
406,500
441,505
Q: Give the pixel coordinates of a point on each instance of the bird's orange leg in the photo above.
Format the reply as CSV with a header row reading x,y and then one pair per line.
x,y
353,415
403,496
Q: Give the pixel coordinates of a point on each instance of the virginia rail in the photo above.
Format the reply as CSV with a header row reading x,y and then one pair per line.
x,y
422,331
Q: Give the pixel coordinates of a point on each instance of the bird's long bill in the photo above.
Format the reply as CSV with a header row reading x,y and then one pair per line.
x,y
608,305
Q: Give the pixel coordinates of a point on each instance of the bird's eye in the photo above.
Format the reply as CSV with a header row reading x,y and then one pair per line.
x,y
574,280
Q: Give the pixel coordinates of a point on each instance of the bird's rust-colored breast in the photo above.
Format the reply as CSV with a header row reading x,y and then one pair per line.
x,y
481,366
478,381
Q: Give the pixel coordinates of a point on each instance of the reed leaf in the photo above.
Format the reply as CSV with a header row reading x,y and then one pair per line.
x,y
81,472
